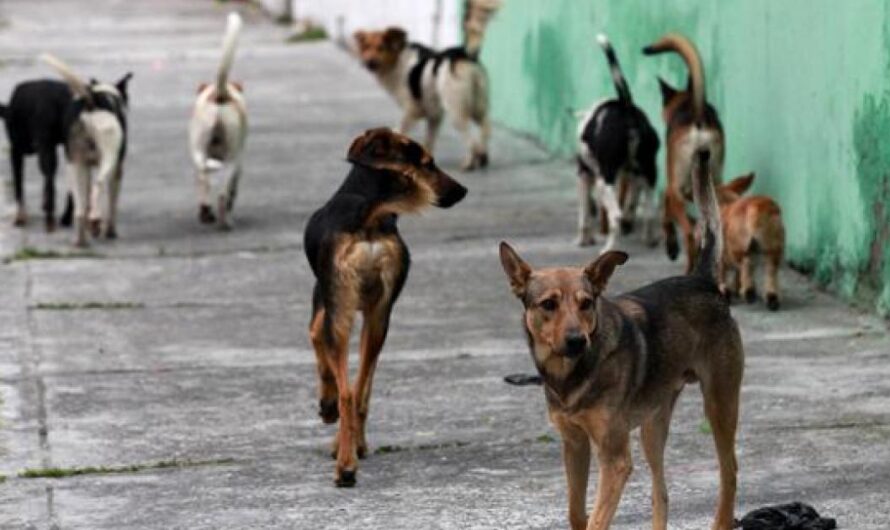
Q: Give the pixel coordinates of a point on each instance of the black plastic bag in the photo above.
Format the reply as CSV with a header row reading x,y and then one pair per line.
x,y
793,516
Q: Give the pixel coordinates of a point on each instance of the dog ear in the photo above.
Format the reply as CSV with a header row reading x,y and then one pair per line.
x,y
667,91
739,185
600,270
123,81
372,147
517,270
395,38
359,38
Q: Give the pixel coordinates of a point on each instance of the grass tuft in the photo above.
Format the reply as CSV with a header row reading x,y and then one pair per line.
x,y
31,253
64,472
310,34
75,306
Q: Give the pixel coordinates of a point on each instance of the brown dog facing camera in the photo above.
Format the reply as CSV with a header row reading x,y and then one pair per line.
x,y
752,226
609,365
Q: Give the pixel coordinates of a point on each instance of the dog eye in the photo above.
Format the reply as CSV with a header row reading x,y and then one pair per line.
x,y
586,304
548,305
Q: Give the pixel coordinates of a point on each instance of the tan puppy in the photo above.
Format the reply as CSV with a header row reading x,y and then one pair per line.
x,y
610,365
217,133
692,125
751,225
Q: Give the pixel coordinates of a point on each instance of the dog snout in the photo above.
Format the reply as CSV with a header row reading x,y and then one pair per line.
x,y
576,344
450,192
372,64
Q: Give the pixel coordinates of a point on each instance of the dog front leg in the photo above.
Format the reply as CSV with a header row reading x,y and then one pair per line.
x,y
462,124
576,459
17,159
79,184
615,467
609,199
433,124
226,198
585,209
653,435
48,164
205,210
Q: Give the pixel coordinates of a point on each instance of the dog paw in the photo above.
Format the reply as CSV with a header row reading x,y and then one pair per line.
x,y
750,295
345,478
772,301
65,220
627,226
21,219
95,227
50,224
672,247
206,215
482,160
328,410
111,233
361,449
585,240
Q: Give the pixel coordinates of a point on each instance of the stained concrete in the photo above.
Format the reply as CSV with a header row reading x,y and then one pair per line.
x,y
210,363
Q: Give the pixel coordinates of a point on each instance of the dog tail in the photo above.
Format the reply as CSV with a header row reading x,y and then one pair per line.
x,y
673,42
230,40
477,13
78,87
615,69
711,250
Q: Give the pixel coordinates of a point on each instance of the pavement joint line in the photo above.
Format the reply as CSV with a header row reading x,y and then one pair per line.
x,y
56,255
65,472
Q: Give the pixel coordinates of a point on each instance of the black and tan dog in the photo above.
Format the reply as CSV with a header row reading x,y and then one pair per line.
x,y
692,125
360,264
610,365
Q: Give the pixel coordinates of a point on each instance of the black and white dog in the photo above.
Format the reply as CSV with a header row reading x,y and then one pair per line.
x,y
95,137
616,143
427,84
34,121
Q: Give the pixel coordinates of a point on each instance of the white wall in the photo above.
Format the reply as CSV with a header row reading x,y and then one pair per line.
x,y
432,22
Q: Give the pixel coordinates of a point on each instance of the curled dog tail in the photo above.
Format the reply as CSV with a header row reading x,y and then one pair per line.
x,y
477,13
615,69
711,250
78,87
673,42
230,40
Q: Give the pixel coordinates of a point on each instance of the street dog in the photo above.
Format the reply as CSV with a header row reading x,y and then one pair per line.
x,y
360,264
217,133
35,119
428,84
752,226
616,142
95,128
692,124
609,365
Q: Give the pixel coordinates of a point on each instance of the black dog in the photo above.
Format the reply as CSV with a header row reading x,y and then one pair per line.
x,y
35,125
616,142
360,263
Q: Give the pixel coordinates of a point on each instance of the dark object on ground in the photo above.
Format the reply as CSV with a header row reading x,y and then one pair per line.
x,y
793,516
523,379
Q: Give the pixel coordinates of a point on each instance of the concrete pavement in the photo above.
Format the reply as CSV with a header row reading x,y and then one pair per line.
x,y
183,346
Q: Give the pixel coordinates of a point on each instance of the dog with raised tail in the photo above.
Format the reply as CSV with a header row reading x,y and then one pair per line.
x,y
692,125
427,84
95,128
217,134
611,364
616,143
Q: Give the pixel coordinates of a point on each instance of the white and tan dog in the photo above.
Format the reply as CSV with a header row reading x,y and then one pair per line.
x,y
427,84
95,127
217,133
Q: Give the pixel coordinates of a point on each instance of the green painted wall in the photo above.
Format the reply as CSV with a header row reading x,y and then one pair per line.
x,y
802,86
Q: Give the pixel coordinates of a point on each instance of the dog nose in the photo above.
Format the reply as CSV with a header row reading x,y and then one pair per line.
x,y
372,64
576,343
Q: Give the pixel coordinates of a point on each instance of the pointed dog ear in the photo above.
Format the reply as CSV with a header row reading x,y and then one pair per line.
x,y
740,185
123,81
371,148
600,270
667,91
395,38
517,270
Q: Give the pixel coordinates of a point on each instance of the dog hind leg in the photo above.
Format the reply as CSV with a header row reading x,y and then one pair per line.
x,y
585,208
771,283
79,184
49,162
114,189
17,159
609,199
327,383
374,328
433,124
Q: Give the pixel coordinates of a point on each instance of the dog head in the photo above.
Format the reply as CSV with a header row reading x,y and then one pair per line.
x,y
561,316
379,50
733,190
413,179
